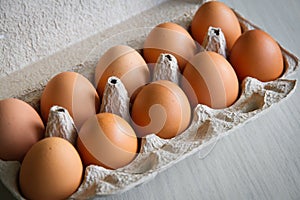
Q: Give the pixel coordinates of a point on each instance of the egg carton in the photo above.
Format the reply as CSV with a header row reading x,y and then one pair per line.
x,y
156,154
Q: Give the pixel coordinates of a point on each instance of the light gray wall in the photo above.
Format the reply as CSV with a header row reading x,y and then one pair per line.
x,y
32,30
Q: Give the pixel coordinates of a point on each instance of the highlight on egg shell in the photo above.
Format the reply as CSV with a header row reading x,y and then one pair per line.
x,y
161,107
126,64
73,92
20,128
107,140
209,79
170,38
52,169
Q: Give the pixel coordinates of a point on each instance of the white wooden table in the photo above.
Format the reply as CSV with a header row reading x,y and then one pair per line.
x,y
260,160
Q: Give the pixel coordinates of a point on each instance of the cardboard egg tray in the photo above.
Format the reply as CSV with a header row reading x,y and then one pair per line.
x,y
207,126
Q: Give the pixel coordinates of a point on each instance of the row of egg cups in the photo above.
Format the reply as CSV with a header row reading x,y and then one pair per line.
x,y
78,96
207,78
81,108
104,139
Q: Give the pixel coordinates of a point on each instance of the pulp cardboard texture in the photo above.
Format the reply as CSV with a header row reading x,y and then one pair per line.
x,y
207,126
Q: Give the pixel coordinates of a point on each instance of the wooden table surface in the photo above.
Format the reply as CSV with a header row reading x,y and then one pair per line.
x,y
259,160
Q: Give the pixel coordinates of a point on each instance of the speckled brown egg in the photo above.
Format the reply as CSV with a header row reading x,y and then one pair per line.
x,y
52,169
169,38
73,92
107,140
125,63
161,107
209,79
219,15
20,128
257,54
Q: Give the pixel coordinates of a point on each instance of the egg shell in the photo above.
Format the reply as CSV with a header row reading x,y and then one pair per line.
x,y
169,38
257,54
107,140
125,63
219,15
73,92
20,128
52,169
161,107
209,79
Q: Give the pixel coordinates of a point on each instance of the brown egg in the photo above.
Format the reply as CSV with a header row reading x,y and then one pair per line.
x,y
209,79
125,63
219,15
161,107
51,169
169,38
107,140
20,128
73,92
256,54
